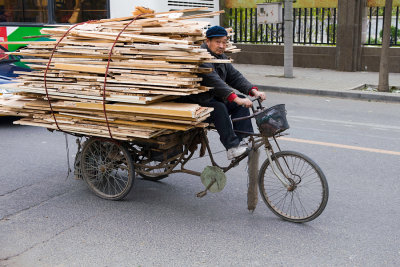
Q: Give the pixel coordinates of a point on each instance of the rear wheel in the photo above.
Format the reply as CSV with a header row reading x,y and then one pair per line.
x,y
306,192
107,168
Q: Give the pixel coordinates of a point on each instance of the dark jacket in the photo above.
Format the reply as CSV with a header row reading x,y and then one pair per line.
x,y
223,78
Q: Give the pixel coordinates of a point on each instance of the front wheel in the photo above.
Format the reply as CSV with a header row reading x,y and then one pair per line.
x,y
302,194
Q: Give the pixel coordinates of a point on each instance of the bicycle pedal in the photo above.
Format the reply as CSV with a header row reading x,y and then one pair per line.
x,y
201,194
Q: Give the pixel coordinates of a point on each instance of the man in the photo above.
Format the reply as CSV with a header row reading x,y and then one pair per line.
x,y
222,98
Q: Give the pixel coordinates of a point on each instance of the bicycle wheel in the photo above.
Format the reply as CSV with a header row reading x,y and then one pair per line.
x,y
107,168
147,169
306,194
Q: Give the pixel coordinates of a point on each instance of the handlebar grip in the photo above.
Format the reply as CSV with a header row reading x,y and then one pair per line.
x,y
258,99
259,102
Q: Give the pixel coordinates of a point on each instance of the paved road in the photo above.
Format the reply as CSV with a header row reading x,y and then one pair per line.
x,y
47,219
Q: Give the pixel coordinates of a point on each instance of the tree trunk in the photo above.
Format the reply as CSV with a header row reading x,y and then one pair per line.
x,y
384,64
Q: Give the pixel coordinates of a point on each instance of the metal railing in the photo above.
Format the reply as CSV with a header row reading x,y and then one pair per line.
x,y
312,26
375,26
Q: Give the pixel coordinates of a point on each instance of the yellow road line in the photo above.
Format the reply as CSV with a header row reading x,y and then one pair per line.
x,y
374,150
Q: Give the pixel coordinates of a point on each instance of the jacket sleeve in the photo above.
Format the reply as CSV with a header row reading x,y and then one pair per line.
x,y
220,89
235,79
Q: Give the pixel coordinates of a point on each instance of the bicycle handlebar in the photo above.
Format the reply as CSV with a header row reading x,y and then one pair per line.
x,y
255,113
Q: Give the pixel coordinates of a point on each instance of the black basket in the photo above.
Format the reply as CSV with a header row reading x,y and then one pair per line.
x,y
272,120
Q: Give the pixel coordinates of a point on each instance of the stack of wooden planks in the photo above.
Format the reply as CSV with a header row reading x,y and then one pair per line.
x,y
126,121
114,75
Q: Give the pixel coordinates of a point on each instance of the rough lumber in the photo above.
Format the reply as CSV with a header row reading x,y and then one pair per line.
x,y
156,59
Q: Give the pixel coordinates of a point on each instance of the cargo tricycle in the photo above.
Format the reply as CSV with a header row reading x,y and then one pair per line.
x,y
291,184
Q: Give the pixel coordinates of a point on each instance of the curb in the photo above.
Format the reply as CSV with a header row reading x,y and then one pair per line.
x,y
340,94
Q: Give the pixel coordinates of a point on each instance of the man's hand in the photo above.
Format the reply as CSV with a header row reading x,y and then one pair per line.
x,y
261,95
245,102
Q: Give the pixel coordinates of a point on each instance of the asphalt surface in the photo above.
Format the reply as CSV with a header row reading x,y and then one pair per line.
x,y
47,219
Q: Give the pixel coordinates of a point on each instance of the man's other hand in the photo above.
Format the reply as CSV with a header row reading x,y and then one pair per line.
x,y
245,102
261,95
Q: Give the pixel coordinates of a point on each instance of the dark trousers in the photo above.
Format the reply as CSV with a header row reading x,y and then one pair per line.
x,y
221,117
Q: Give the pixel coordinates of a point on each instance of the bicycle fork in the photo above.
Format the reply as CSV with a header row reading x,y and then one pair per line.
x,y
269,151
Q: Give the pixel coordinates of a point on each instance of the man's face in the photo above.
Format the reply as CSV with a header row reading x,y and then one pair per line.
x,y
217,45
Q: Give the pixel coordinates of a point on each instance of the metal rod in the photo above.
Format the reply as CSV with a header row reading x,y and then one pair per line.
x,y
294,25
209,149
284,183
247,133
251,24
241,25
299,25
236,30
376,25
256,26
329,26
230,17
195,173
334,26
397,26
245,24
247,117
323,25
311,22
305,25
316,24
370,25
261,32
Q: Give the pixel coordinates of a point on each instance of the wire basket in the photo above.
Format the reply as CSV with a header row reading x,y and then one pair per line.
x,y
272,120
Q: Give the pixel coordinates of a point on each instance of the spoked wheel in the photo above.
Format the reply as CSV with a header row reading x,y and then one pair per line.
x,y
148,169
107,168
303,194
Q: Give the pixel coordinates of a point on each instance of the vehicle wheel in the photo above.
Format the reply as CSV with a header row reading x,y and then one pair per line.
x,y
307,193
107,168
152,174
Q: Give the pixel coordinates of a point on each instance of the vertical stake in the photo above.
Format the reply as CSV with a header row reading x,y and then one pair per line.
x,y
288,39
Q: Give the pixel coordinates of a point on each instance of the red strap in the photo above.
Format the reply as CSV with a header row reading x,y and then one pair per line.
x,y
106,74
48,65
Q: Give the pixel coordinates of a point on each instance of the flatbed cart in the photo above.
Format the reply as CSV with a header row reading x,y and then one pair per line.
x,y
291,184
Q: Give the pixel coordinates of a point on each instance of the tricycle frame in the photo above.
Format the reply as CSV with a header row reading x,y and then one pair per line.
x,y
283,174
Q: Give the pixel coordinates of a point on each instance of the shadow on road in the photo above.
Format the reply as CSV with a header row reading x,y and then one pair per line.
x,y
7,120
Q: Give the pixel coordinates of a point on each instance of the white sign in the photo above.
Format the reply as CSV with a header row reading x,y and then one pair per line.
x,y
269,13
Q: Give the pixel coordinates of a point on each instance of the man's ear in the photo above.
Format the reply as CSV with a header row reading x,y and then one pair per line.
x,y
207,41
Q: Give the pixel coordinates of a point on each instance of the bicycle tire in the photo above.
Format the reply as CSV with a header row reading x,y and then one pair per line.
x,y
304,177
107,167
152,174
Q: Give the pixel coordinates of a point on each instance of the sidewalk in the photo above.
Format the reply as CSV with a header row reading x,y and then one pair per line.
x,y
319,82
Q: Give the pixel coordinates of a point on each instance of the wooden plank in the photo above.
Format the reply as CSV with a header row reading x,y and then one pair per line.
x,y
155,14
82,68
174,109
155,59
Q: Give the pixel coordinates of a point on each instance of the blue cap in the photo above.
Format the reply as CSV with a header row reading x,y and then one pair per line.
x,y
216,31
